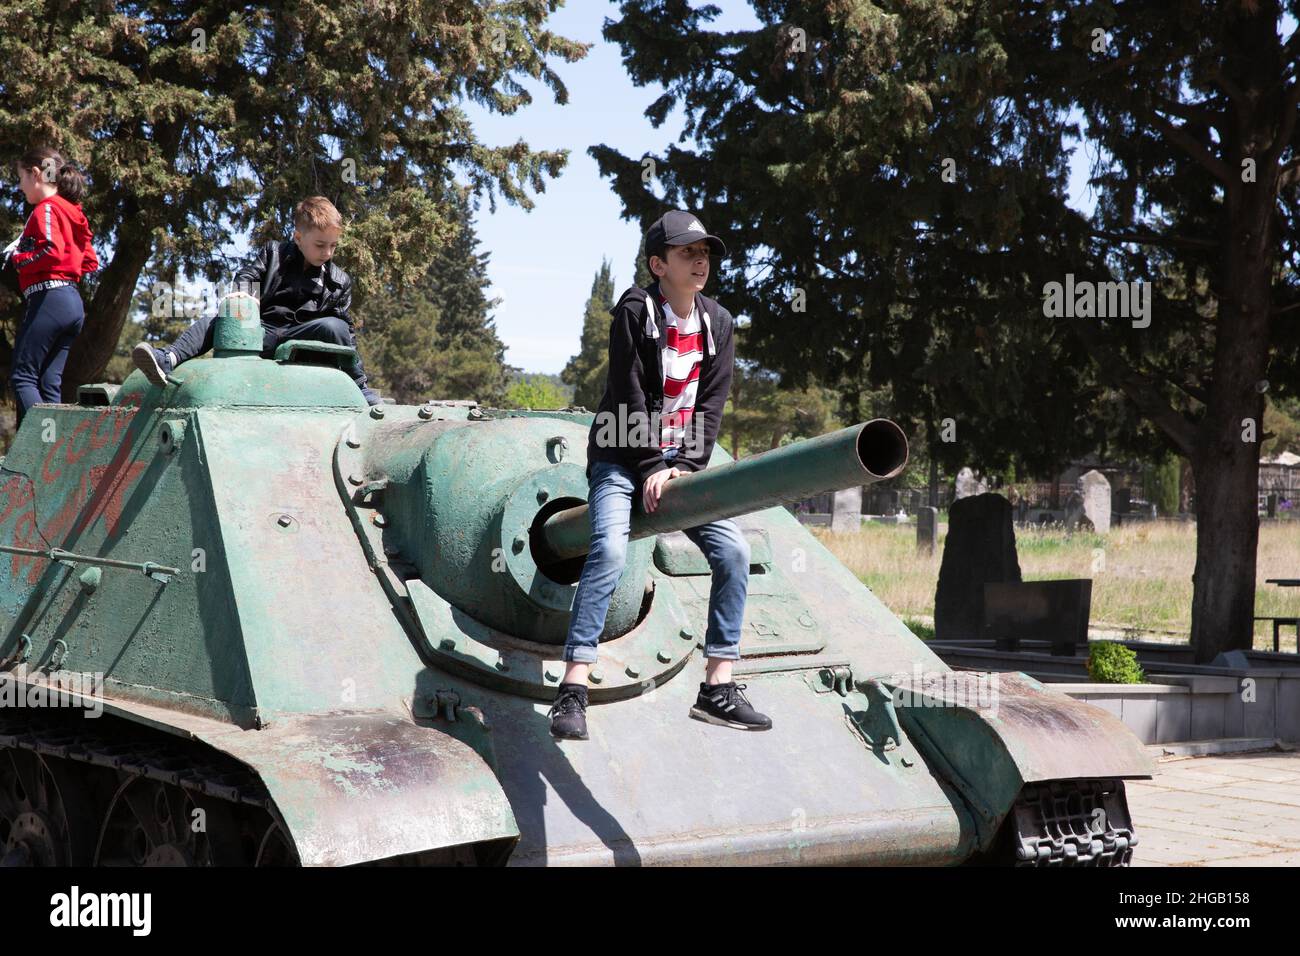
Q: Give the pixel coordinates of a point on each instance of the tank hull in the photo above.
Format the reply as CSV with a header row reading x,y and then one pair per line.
x,y
385,723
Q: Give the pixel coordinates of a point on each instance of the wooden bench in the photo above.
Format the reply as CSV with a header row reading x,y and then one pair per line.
x,y
1278,622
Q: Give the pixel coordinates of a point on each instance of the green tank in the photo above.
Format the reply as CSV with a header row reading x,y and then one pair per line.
x,y
248,620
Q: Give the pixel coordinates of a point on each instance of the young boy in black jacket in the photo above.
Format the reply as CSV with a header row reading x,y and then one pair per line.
x,y
302,295
671,354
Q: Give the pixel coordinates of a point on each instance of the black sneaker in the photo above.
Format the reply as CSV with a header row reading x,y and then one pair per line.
x,y
569,713
155,363
726,706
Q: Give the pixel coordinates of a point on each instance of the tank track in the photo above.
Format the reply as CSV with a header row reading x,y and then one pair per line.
x,y
169,760
95,763
1072,823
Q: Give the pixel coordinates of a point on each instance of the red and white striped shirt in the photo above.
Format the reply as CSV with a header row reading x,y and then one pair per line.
x,y
682,355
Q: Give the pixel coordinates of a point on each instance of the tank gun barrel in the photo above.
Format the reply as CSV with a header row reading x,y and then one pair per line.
x,y
861,454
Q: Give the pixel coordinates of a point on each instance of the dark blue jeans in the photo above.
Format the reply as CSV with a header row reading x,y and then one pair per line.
x,y
609,501
51,320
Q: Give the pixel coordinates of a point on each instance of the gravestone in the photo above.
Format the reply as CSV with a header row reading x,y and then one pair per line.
x,y
927,529
967,485
1095,491
980,547
1272,504
1055,611
846,513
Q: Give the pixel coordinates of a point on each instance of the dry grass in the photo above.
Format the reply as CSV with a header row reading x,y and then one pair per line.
x,y
1141,573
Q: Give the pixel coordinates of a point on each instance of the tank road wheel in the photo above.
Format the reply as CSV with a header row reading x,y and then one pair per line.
x,y
150,823
275,849
42,820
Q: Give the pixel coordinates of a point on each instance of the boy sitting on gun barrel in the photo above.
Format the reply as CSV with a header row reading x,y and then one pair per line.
x,y
671,354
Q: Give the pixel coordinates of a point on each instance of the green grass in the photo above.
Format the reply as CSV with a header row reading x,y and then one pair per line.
x,y
924,631
1141,573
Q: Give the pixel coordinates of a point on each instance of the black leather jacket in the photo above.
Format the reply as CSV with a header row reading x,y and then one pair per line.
x,y
285,286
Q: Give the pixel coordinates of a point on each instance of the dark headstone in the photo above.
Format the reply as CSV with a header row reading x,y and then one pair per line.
x,y
927,529
980,547
1272,504
1055,611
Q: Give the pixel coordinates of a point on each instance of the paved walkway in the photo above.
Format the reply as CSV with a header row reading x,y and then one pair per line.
x,y
1224,810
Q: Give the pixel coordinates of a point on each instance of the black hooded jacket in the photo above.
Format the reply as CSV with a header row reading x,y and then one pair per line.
x,y
280,278
634,391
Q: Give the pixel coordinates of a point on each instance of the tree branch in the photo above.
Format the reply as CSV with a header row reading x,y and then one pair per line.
x,y
1178,242
1138,387
1288,174
1234,91
1274,152
1110,67
1193,111
1180,137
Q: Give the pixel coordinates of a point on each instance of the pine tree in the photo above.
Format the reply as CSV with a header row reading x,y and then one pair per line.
x,y
641,269
197,121
434,338
587,370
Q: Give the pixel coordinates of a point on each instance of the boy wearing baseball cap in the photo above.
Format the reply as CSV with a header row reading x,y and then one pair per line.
x,y
671,354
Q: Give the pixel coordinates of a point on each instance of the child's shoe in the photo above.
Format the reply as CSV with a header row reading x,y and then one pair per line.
x,y
569,713
726,706
155,363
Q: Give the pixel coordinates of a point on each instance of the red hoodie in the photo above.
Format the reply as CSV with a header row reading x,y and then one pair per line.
x,y
55,244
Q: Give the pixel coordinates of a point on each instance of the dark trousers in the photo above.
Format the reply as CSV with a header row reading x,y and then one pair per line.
x,y
197,339
51,320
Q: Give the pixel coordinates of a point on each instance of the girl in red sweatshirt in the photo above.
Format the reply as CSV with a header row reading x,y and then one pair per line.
x,y
50,256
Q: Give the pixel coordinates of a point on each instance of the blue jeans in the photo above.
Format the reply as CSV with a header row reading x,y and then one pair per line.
x,y
610,502
52,319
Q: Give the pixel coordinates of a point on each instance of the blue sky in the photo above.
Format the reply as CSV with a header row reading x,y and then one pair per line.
x,y
542,279
542,262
